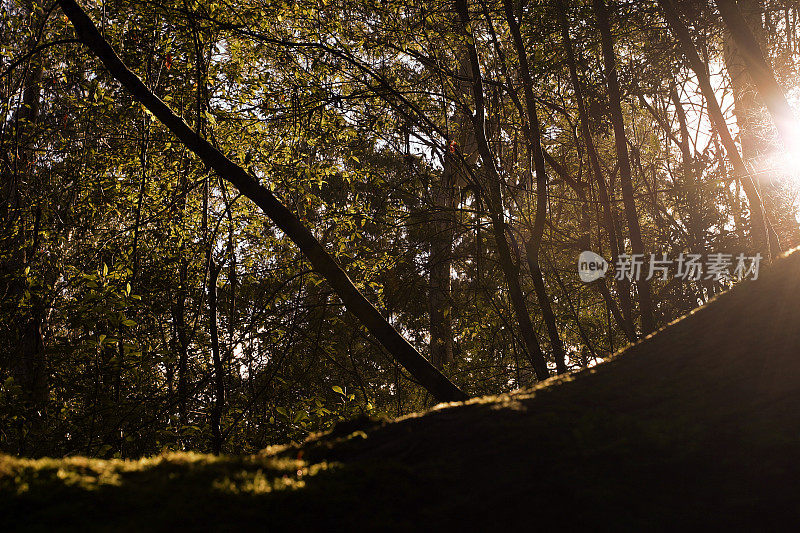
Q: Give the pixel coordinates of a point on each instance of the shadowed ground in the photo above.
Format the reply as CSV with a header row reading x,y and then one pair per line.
x,y
697,425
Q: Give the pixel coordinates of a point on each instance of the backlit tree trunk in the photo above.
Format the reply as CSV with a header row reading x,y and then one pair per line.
x,y
758,222
760,72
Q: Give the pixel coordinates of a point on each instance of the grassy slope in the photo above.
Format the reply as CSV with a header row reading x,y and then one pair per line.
x,y
696,425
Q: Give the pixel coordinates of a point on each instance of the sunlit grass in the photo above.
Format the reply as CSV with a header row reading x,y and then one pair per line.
x,y
235,475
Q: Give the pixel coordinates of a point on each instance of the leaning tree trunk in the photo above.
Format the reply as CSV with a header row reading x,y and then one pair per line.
x,y
761,73
428,376
748,44
747,107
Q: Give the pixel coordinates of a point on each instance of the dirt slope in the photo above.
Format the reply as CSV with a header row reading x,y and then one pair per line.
x,y
697,425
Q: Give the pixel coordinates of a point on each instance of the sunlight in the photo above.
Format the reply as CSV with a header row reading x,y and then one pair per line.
x,y
781,163
790,161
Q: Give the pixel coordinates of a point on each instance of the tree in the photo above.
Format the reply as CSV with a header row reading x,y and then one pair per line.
x,y
761,74
440,386
626,181
758,221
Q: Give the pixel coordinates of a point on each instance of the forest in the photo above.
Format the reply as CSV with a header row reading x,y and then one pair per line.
x,y
289,251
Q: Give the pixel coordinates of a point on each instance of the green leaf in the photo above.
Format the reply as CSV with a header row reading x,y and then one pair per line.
x,y
337,389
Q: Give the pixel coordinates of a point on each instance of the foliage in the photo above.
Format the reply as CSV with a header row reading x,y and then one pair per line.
x,y
350,113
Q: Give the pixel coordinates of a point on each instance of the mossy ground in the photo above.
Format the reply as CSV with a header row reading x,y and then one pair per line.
x,y
698,425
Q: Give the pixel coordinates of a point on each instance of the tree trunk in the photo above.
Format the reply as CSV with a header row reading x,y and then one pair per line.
x,y
758,222
218,406
620,140
690,183
533,245
29,365
442,231
584,243
495,205
761,73
442,235
745,42
747,106
181,341
623,285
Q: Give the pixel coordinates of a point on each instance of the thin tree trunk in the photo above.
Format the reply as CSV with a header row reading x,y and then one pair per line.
x,y
618,122
495,205
533,245
623,286
584,243
758,222
689,178
584,336
181,340
219,371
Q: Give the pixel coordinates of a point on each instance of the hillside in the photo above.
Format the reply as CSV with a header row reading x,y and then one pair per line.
x,y
696,425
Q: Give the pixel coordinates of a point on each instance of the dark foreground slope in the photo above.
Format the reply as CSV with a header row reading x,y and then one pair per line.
x,y
696,425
